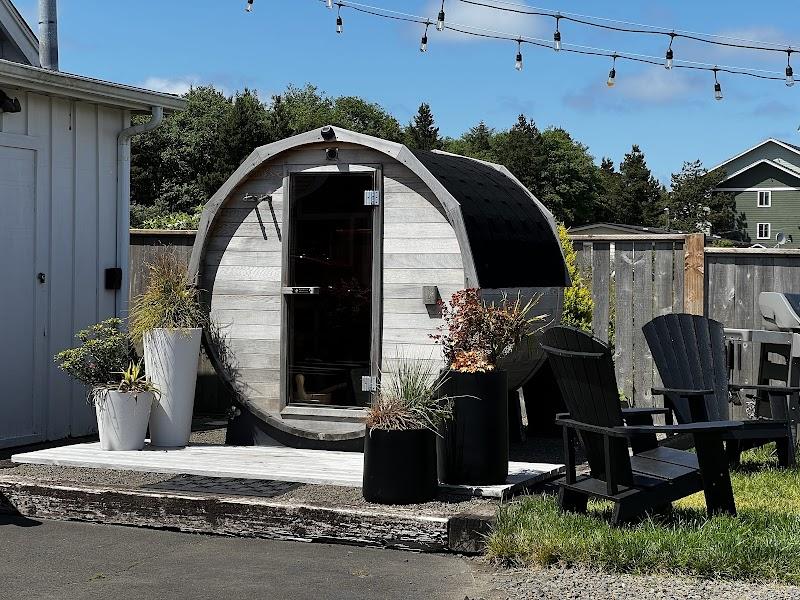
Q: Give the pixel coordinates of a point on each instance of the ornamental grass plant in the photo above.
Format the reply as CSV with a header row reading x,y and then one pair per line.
x,y
170,300
761,543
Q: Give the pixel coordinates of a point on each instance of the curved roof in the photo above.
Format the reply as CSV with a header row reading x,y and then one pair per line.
x,y
507,237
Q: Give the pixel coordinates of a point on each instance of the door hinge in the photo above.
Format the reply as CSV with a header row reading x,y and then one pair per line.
x,y
369,384
372,198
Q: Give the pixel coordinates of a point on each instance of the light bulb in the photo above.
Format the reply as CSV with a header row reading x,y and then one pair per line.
x,y
440,21
789,76
518,63
424,43
717,91
612,77
339,24
329,3
557,41
249,7
668,61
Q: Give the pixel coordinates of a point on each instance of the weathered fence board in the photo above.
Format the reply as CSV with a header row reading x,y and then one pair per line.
x,y
601,288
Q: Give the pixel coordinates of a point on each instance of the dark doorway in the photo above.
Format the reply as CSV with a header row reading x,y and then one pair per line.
x,y
329,297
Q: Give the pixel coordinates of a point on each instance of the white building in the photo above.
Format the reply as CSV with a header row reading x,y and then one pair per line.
x,y
64,215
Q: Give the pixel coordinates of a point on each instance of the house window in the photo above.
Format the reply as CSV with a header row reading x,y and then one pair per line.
x,y
764,199
764,231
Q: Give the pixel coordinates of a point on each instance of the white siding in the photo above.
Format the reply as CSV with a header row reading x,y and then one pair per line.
x,y
76,233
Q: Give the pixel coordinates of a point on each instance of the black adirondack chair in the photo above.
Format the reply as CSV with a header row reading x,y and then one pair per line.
x,y
689,352
654,476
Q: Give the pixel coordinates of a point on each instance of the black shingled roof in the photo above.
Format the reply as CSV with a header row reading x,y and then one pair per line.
x,y
511,239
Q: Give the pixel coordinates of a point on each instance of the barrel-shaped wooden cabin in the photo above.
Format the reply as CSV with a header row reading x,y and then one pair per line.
x,y
322,259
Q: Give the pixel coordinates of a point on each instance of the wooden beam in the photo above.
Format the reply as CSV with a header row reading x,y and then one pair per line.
x,y
694,274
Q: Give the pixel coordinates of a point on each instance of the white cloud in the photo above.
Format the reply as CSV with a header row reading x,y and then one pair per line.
x,y
482,18
176,85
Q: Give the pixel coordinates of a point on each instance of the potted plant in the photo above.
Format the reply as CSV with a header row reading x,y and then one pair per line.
x,y
476,335
121,394
400,440
167,319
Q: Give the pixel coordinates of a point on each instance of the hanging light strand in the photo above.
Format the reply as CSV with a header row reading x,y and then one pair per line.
x,y
612,74
557,35
423,45
789,71
440,19
339,22
717,86
669,58
518,61
571,48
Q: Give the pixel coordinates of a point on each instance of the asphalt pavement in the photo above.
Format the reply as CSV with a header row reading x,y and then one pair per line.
x,y
64,560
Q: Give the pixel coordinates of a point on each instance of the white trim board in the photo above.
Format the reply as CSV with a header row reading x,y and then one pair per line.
x,y
771,163
756,189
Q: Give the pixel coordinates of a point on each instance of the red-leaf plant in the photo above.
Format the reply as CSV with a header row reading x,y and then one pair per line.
x,y
476,334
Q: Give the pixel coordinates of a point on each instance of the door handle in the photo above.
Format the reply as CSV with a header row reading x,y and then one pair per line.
x,y
299,290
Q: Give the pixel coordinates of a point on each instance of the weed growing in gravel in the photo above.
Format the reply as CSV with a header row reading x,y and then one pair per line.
x,y
761,543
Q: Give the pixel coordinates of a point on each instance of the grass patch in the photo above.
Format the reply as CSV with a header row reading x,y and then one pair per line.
x,y
761,543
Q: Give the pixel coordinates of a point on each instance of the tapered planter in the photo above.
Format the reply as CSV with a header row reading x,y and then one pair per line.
x,y
122,419
400,466
473,448
170,358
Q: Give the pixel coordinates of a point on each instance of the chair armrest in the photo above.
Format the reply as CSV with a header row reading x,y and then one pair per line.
x,y
699,427
609,431
645,410
680,392
770,389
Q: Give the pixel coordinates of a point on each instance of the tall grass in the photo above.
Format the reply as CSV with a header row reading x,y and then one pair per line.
x,y
761,543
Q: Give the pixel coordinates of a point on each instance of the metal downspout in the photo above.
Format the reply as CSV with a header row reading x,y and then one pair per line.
x,y
124,202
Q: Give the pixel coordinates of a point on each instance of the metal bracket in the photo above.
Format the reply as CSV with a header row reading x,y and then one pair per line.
x,y
372,197
369,384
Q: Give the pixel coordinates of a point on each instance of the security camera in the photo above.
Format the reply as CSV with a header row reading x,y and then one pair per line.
x,y
328,133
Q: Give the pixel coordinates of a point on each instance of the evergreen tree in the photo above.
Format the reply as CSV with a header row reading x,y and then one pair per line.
x,y
609,191
641,197
519,149
422,133
244,128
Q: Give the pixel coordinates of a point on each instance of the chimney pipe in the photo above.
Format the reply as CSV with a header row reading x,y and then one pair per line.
x,y
48,34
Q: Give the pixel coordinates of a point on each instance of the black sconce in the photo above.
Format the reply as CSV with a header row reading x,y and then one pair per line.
x,y
9,104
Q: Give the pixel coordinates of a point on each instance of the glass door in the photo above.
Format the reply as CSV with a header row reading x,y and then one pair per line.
x,y
328,332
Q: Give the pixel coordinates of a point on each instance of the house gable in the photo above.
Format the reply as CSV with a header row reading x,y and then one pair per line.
x,y
772,150
764,174
17,42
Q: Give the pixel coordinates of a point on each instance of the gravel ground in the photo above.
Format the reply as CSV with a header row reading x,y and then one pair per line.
x,y
568,583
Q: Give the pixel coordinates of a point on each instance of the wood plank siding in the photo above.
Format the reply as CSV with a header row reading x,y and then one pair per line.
x,y
241,269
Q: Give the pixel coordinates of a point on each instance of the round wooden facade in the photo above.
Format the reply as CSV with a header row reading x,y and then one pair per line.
x,y
322,258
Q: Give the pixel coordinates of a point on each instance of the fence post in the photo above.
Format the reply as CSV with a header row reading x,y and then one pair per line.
x,y
694,274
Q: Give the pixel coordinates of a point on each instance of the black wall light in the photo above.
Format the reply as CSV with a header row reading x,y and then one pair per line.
x,y
9,104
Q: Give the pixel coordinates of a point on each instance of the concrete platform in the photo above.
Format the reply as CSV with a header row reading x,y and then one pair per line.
x,y
275,463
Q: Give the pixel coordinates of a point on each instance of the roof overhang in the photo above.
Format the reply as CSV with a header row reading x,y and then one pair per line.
x,y
764,161
19,32
57,83
765,142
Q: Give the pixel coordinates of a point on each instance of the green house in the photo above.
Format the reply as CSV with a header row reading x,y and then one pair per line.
x,y
765,181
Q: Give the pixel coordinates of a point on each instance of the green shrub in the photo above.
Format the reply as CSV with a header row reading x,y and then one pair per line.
x,y
174,220
578,303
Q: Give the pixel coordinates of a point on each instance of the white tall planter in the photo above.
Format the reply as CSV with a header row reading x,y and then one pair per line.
x,y
122,419
170,358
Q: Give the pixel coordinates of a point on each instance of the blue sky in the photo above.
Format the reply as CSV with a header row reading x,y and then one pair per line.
x,y
672,115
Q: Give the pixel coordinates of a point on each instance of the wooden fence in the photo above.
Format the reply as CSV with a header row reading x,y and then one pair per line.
x,y
636,278
211,396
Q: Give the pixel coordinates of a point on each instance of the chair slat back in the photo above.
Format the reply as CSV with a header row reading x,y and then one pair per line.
x,y
689,352
584,369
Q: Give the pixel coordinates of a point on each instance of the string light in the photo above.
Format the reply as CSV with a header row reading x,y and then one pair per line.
x,y
789,72
612,74
518,62
249,7
717,86
557,36
423,46
329,4
339,23
440,19
670,55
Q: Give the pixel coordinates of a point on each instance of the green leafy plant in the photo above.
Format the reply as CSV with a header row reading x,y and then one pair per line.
x,y
409,398
169,302
476,334
578,303
175,220
103,352
105,361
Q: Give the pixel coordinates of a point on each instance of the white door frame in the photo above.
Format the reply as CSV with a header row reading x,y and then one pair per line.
x,y
42,294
